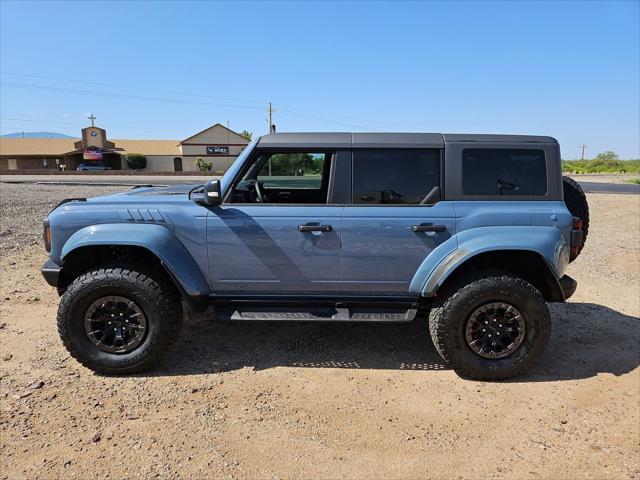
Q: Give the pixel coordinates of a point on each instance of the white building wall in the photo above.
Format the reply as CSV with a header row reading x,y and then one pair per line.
x,y
160,163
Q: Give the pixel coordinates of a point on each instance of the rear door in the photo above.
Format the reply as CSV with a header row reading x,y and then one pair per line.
x,y
392,222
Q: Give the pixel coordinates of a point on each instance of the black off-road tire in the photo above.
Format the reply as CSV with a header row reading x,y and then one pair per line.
x,y
450,313
576,201
156,297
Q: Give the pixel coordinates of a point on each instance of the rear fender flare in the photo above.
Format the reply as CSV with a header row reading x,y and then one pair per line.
x,y
157,239
548,242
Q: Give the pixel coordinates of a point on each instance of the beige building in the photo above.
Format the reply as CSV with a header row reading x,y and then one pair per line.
x,y
216,144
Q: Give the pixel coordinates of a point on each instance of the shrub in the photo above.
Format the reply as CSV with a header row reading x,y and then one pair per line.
x,y
603,163
203,165
136,161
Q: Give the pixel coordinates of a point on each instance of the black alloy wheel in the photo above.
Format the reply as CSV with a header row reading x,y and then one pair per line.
x,y
115,324
495,330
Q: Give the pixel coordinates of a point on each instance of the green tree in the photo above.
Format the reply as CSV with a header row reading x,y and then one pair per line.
x,y
203,165
246,134
607,157
293,164
136,161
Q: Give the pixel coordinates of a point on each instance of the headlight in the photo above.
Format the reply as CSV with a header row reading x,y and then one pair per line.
x,y
46,236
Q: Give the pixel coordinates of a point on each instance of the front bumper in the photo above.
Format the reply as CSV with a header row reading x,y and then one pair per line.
x,y
568,286
51,272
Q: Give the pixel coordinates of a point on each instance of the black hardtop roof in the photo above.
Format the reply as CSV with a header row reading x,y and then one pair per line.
x,y
381,140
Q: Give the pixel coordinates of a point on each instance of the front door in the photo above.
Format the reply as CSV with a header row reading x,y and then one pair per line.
x,y
275,234
392,223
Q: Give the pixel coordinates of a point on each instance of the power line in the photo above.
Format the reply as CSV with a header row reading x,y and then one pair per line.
x,y
78,124
20,129
283,109
600,147
118,125
130,87
318,115
38,121
29,86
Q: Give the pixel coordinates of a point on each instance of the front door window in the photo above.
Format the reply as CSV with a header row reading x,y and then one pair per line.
x,y
285,177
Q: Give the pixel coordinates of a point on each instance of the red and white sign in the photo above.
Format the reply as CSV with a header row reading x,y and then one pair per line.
x,y
91,154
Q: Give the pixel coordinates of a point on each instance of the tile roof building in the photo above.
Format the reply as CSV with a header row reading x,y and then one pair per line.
x,y
216,144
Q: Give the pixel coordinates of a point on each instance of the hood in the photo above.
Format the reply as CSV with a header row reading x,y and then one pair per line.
x,y
147,193
180,189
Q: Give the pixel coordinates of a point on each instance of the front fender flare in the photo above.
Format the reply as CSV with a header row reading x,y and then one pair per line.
x,y
548,242
157,239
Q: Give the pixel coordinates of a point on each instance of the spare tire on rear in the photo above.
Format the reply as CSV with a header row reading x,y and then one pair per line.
x,y
576,201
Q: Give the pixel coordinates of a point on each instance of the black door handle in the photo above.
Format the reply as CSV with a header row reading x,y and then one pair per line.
x,y
315,228
428,228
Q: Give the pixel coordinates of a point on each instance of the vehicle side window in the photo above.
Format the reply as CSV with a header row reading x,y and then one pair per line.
x,y
293,170
502,171
394,176
284,177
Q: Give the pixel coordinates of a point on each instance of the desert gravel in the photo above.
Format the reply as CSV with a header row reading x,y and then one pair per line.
x,y
25,205
322,401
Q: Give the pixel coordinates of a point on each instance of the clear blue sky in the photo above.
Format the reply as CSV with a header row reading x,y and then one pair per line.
x,y
170,69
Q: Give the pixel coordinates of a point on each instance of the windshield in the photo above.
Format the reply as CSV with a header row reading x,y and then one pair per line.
x,y
230,174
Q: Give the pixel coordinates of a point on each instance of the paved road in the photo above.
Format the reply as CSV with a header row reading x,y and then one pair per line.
x,y
124,180
598,187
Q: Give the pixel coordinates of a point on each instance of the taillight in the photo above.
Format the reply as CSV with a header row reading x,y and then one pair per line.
x,y
576,237
576,224
46,236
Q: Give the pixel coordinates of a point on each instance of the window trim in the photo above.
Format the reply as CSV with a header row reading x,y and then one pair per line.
x,y
441,162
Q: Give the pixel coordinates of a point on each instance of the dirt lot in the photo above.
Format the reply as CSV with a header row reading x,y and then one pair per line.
x,y
323,401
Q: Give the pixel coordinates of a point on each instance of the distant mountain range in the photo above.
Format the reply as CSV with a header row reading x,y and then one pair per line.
x,y
35,135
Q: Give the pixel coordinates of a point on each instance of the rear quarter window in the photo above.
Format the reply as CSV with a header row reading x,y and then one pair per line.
x,y
503,171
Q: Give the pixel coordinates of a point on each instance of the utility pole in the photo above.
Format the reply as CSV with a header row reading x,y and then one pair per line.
x,y
583,147
228,147
271,111
271,130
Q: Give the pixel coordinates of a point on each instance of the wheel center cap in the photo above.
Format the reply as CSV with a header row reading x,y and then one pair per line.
x,y
495,330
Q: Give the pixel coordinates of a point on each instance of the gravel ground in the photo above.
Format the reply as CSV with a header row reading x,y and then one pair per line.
x,y
318,400
24,206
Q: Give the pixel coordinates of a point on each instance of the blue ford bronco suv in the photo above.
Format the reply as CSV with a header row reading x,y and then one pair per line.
x,y
472,231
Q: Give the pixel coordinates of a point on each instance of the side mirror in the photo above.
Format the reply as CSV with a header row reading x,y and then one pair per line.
x,y
212,193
